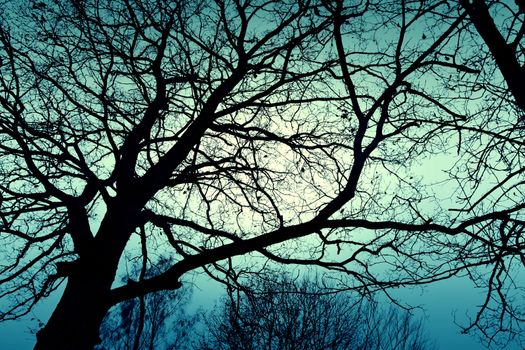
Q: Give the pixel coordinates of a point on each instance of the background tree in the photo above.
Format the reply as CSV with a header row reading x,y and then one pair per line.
x,y
282,313
155,321
284,131
274,311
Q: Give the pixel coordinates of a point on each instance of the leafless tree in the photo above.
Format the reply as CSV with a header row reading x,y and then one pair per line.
x,y
281,313
227,134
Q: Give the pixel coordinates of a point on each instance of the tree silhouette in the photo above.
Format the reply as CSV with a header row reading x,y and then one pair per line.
x,y
284,131
281,313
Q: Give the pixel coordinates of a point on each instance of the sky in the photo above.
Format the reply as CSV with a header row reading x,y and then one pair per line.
x,y
442,301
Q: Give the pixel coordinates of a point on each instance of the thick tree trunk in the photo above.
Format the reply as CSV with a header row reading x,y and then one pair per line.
x,y
75,323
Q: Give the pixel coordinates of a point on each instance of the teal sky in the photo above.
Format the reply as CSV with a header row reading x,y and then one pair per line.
x,y
442,302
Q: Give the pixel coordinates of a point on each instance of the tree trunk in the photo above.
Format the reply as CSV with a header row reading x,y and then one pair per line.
x,y
75,323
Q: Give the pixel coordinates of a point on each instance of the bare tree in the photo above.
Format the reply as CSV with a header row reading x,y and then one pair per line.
x,y
283,131
281,313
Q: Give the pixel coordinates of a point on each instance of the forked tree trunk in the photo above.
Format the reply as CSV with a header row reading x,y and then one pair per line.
x,y
75,323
